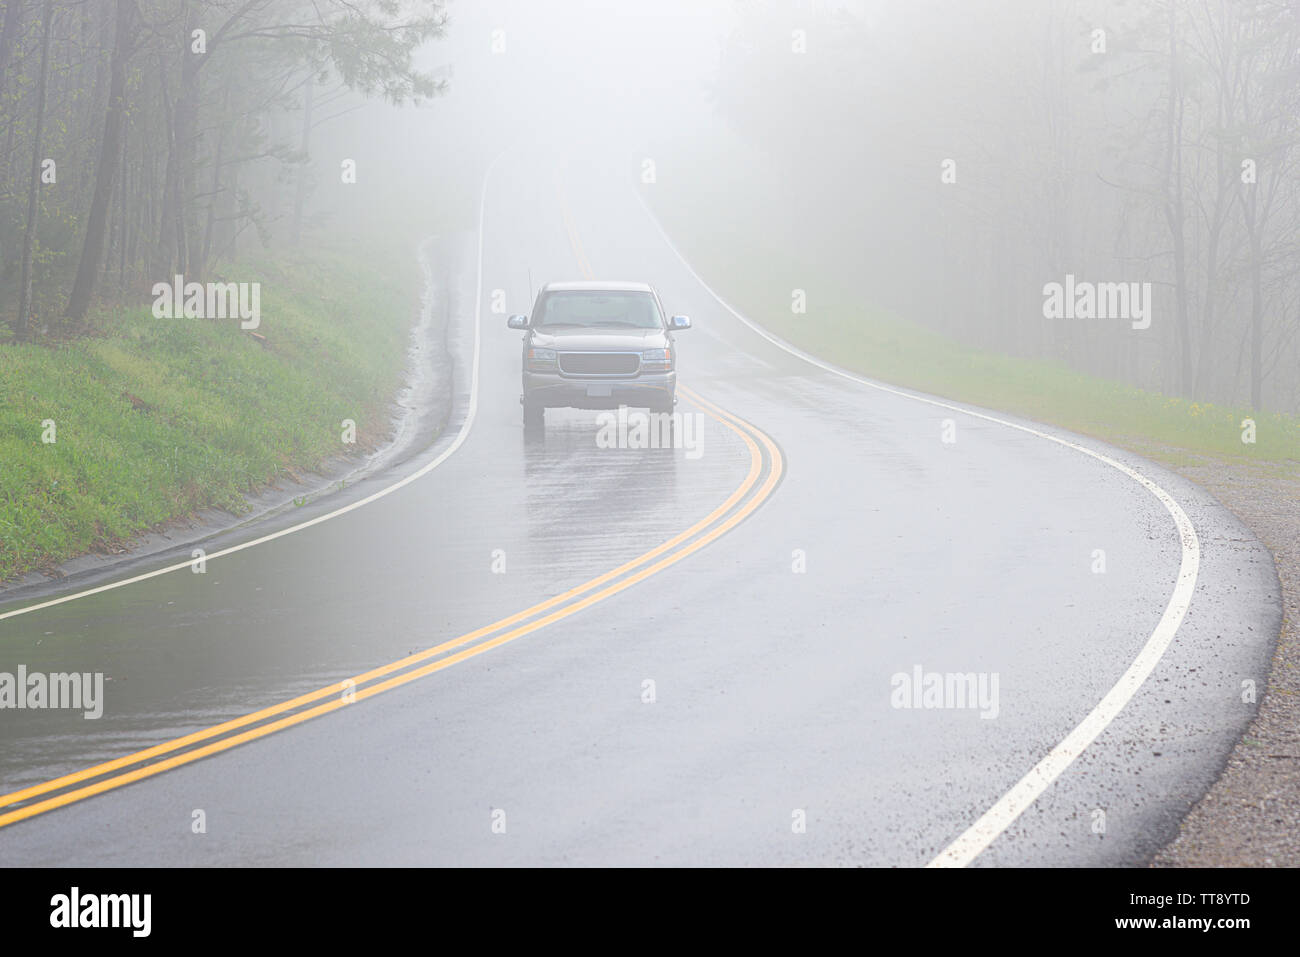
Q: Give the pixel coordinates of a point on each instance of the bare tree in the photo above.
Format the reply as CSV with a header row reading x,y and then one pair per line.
x,y
34,182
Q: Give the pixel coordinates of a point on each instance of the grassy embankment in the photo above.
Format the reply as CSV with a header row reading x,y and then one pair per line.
x,y
156,418
712,207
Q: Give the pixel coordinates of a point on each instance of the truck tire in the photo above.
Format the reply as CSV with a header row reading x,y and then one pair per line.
x,y
534,418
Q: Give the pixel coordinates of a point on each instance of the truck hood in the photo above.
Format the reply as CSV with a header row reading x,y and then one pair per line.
x,y
600,340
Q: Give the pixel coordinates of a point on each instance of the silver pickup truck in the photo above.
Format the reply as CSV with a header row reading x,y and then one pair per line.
x,y
597,345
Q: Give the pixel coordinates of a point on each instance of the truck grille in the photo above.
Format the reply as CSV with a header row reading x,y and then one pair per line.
x,y
600,363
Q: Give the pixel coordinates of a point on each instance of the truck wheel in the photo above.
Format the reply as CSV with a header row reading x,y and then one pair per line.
x,y
664,406
534,418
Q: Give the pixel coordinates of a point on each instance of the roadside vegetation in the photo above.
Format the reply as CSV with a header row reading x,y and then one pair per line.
x,y
152,419
717,208
926,195
235,145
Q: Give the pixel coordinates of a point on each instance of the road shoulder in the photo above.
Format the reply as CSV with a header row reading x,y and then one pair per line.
x,y
1250,816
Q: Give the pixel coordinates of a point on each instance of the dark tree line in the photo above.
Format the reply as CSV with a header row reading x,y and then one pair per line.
x,y
1154,141
144,138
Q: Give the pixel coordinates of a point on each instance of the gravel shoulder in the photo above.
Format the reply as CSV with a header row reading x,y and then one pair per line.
x,y
1251,816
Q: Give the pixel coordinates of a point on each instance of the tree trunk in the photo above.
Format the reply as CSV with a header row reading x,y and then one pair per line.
x,y
92,248
178,183
1256,322
301,193
34,184
8,33
1203,391
215,189
1174,214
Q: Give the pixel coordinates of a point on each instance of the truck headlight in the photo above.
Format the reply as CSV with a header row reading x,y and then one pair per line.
x,y
541,359
657,360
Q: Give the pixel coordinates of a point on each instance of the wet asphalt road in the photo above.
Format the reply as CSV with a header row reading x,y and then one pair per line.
x,y
771,686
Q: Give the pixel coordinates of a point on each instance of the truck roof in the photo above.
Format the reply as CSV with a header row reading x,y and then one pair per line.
x,y
596,286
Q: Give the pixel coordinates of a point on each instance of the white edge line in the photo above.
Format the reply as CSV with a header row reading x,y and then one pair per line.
x,y
1011,805
424,470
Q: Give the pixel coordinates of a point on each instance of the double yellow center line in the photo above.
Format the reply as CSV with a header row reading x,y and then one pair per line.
x,y
765,470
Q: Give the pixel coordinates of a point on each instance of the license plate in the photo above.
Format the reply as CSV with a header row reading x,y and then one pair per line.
x,y
599,391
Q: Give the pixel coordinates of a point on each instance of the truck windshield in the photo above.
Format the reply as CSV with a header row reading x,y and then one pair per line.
x,y
597,308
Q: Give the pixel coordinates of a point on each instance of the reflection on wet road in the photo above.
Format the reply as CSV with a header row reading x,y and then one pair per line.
x,y
694,668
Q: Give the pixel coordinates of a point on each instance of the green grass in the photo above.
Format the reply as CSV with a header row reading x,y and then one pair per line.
x,y
156,418
717,210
